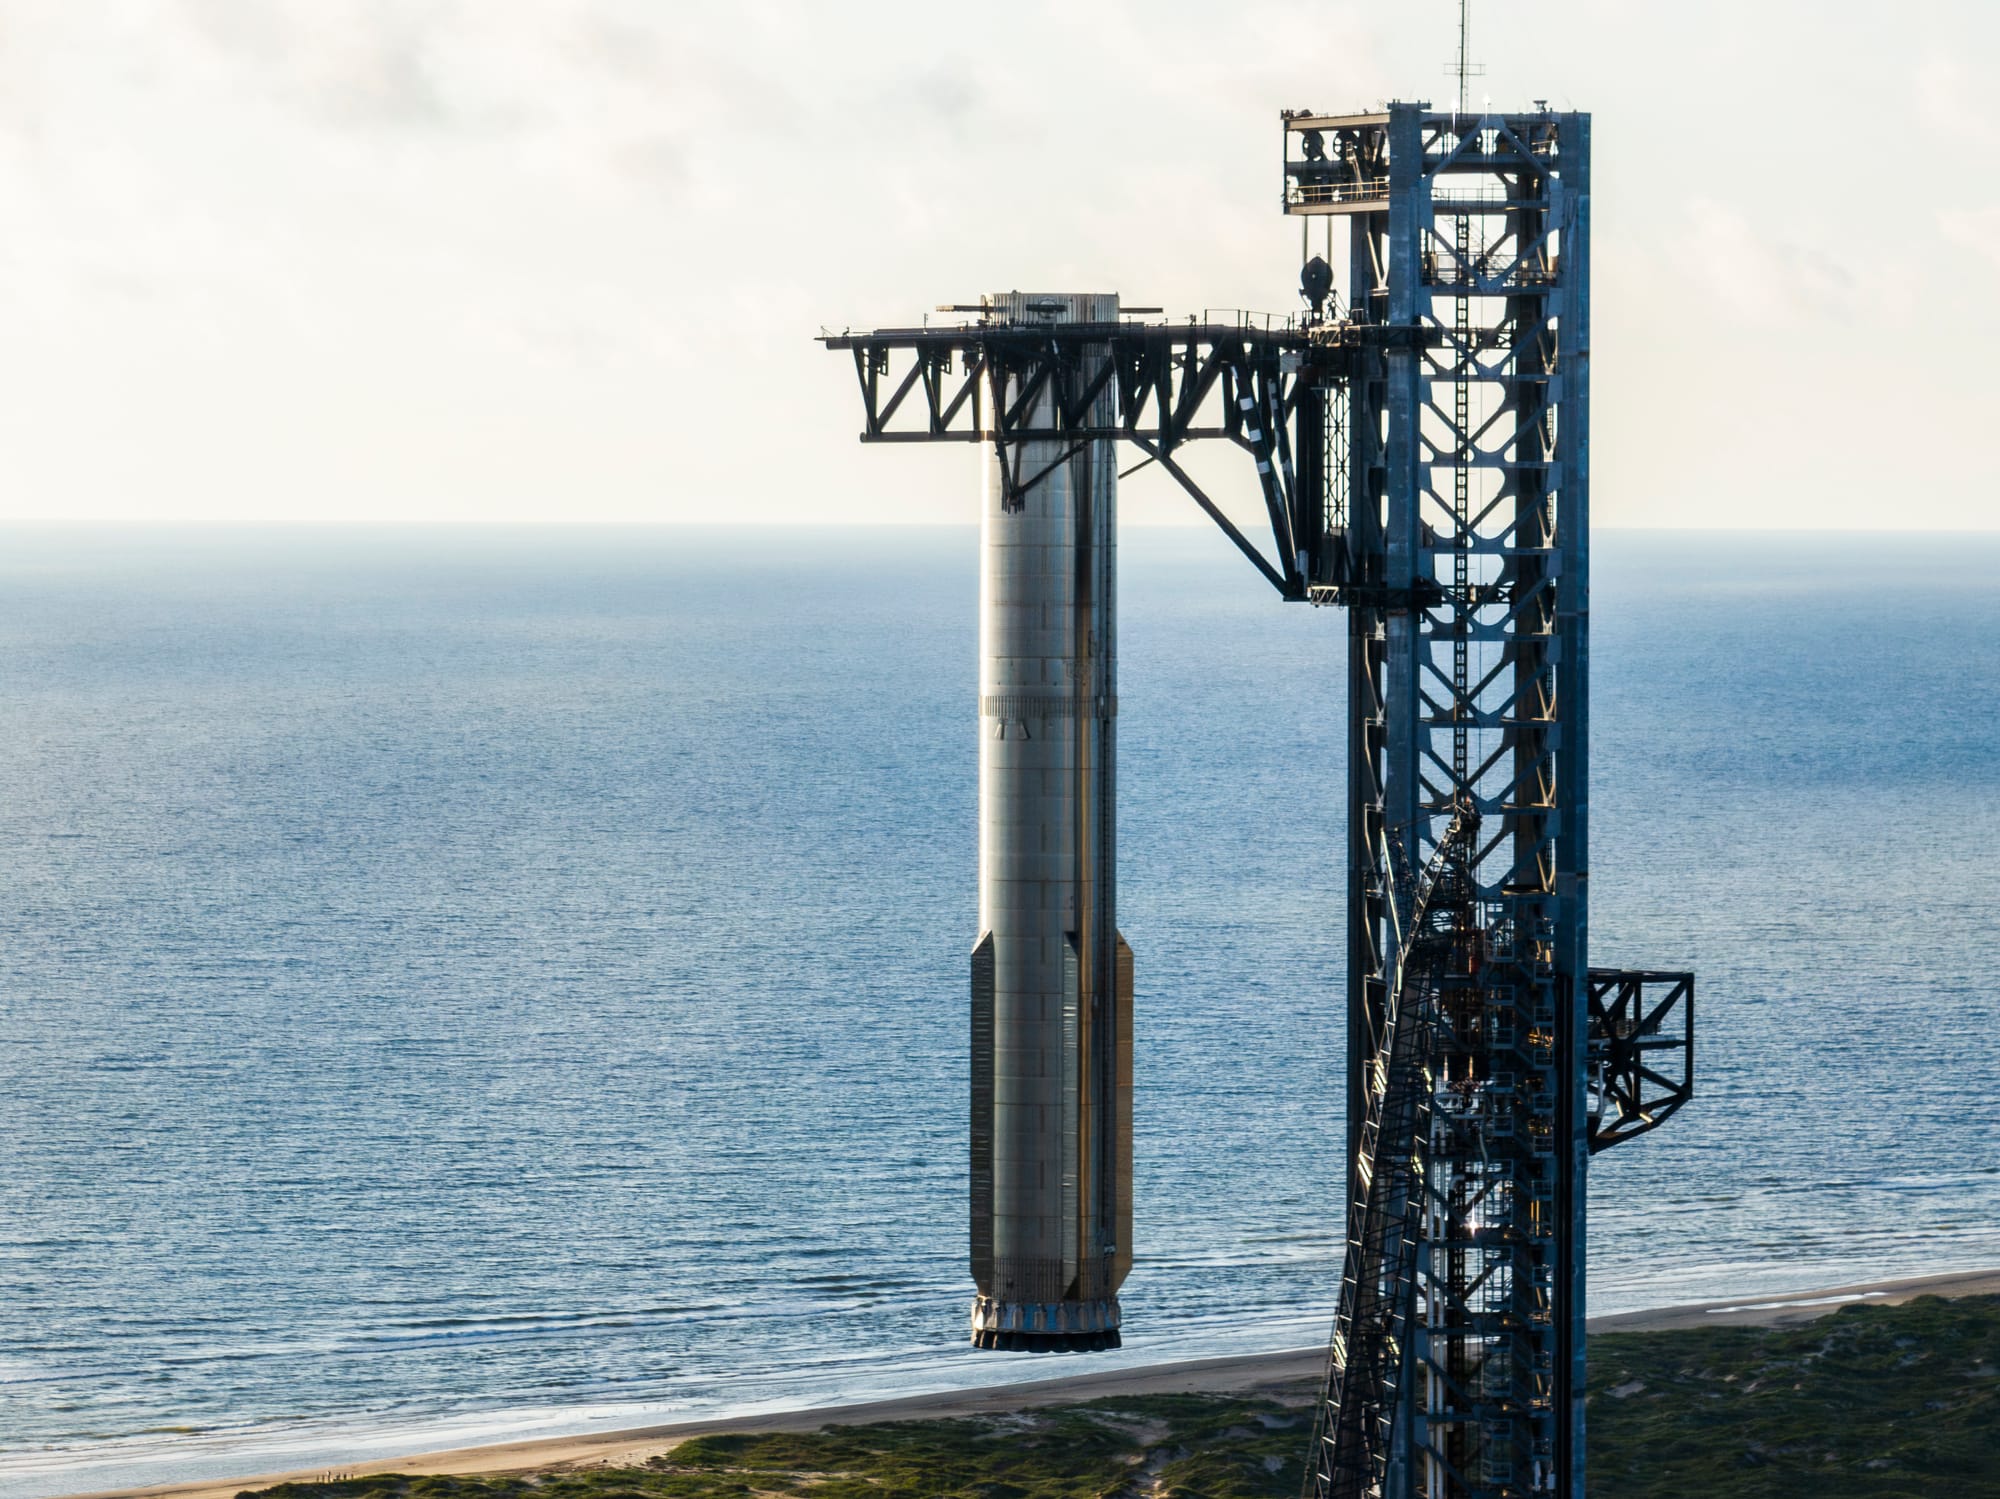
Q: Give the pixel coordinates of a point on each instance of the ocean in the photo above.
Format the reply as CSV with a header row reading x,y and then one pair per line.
x,y
457,984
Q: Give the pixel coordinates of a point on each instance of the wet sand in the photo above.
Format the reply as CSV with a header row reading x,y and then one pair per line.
x,y
1277,1373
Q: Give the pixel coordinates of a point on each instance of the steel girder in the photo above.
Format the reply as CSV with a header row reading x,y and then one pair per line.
x,y
1641,1051
1238,381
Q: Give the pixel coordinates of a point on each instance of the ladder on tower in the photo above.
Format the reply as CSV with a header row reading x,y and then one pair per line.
x,y
1367,1363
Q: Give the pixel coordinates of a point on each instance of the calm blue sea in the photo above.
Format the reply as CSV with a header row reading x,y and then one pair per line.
x,y
465,983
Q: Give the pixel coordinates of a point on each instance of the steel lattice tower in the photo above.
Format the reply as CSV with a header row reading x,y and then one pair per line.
x,y
1469,509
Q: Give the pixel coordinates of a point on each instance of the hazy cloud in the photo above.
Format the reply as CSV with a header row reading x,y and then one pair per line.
x,y
1974,229
659,161
1954,103
455,256
1758,276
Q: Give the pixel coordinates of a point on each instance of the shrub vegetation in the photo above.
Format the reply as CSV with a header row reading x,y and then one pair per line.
x,y
1870,1402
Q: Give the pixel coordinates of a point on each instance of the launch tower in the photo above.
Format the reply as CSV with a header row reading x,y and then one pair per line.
x,y
1421,446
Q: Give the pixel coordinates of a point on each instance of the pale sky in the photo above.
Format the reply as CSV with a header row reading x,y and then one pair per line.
x,y
525,260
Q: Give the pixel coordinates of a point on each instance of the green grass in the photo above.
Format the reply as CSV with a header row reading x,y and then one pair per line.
x,y
1872,1402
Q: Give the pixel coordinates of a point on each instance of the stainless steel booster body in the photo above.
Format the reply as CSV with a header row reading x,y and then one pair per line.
x,y
1051,976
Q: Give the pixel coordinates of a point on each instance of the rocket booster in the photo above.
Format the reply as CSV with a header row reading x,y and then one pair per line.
x,y
1051,976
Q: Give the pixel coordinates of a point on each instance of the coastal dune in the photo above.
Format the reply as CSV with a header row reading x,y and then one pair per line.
x,y
1246,1374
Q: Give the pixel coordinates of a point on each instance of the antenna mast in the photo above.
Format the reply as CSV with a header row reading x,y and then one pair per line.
x,y
1464,30
1464,70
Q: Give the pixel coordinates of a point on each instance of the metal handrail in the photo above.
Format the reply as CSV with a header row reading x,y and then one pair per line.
x,y
1367,190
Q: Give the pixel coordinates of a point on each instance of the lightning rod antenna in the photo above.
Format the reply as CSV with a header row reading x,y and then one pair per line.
x,y
1464,32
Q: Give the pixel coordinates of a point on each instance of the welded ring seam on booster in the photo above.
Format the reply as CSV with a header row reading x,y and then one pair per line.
x,y
1048,707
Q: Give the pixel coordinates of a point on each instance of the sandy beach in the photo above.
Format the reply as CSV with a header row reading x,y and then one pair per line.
x,y
1255,1372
